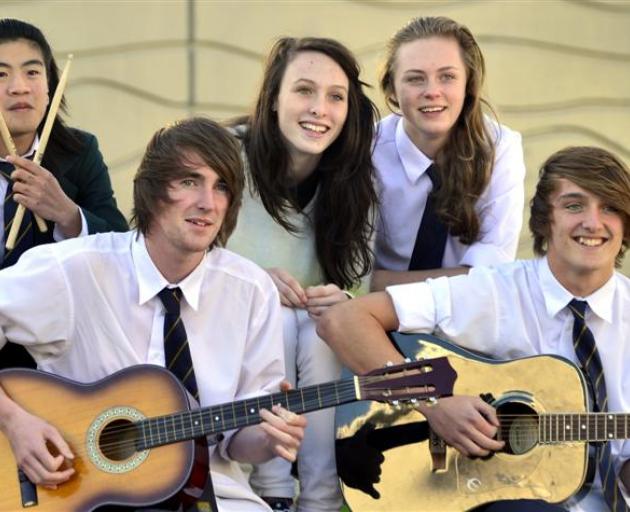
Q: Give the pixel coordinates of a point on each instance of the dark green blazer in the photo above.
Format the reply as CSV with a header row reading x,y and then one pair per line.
x,y
84,178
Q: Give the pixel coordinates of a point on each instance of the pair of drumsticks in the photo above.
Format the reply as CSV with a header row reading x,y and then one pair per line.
x,y
43,141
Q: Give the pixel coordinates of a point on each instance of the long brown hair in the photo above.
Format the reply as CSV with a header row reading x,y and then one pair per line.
x,y
346,198
466,159
591,168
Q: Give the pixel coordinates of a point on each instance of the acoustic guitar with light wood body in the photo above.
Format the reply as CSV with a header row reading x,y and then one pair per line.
x,y
543,406
137,442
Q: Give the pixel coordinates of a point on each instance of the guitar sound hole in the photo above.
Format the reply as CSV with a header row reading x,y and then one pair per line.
x,y
118,440
519,427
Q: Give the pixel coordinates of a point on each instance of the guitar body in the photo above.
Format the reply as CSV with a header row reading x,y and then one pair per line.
x,y
413,476
94,417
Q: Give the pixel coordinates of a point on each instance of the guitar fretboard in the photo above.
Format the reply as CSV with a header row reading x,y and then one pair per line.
x,y
187,425
600,426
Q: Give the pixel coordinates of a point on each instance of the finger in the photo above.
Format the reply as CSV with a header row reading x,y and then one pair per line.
x,y
25,165
285,385
59,443
285,453
289,437
316,313
322,290
289,417
490,414
291,297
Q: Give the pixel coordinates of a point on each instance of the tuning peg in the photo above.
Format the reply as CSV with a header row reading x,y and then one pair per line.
x,y
407,360
413,401
396,404
388,364
432,401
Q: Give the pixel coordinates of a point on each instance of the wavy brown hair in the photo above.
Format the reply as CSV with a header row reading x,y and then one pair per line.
x,y
346,197
166,159
466,159
591,168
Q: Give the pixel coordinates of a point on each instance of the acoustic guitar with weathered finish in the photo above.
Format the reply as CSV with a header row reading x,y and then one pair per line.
x,y
137,442
543,406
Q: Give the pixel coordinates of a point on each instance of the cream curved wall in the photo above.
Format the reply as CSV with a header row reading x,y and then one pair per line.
x,y
558,70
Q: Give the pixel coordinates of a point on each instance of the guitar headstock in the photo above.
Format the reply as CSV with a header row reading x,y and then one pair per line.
x,y
417,380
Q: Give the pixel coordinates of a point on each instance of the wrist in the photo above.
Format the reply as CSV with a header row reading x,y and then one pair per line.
x,y
70,223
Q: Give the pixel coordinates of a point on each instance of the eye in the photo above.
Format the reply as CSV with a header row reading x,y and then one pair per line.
x,y
222,186
447,77
337,97
608,208
3,74
304,91
187,182
574,207
414,79
33,72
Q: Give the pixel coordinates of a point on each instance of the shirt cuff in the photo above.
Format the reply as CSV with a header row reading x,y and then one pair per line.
x,y
58,236
414,306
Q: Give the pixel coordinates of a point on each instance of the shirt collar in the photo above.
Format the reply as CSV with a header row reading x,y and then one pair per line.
x,y
151,281
557,296
414,161
31,151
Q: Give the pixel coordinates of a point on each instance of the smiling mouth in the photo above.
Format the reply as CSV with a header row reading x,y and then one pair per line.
x,y
589,242
317,128
430,110
199,222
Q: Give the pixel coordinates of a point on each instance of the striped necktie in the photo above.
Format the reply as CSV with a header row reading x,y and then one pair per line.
x,y
428,250
25,239
586,351
176,351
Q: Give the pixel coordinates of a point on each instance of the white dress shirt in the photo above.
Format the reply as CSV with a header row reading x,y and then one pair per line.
x,y
404,187
519,309
88,307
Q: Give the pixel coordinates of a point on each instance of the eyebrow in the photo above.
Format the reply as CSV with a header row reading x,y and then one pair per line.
x,y
572,195
32,62
443,68
312,82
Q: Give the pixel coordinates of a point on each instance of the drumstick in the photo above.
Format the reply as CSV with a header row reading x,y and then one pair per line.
x,y
43,141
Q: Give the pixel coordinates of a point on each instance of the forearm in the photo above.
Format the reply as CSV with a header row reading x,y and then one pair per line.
x,y
356,331
7,409
384,278
250,445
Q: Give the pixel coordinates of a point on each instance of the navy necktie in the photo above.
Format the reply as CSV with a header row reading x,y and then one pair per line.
x,y
176,351
428,251
25,239
586,351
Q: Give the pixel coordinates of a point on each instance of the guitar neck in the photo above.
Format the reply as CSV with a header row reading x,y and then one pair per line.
x,y
188,425
594,426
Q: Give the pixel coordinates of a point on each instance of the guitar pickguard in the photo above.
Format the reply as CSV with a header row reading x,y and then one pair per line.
x,y
408,478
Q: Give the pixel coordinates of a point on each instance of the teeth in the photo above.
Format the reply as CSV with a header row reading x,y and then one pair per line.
x,y
314,127
590,242
198,223
432,109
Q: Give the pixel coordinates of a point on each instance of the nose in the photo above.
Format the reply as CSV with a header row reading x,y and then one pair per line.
x,y
592,219
318,105
18,84
432,88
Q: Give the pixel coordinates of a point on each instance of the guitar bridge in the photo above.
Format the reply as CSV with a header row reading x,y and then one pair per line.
x,y
28,490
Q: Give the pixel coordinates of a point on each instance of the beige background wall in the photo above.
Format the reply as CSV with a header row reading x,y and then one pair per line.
x,y
558,70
